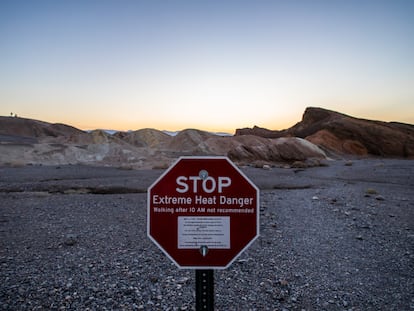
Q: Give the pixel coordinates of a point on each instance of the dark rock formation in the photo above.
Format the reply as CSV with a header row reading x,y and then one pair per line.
x,y
343,134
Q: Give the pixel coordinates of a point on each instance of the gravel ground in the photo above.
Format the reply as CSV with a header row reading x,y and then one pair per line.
x,y
339,237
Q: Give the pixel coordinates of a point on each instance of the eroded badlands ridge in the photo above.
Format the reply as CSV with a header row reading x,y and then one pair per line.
x,y
320,134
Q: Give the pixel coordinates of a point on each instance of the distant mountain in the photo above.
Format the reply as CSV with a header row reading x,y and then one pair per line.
x,y
338,133
110,132
171,133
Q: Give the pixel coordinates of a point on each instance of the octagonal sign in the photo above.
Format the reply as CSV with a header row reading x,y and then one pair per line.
x,y
203,212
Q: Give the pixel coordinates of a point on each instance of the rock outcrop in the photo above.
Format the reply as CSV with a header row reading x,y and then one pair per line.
x,y
285,149
338,133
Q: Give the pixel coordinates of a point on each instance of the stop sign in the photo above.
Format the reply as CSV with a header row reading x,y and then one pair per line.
x,y
203,212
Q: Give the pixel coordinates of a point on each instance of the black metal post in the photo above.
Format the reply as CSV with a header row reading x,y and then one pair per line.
x,y
204,290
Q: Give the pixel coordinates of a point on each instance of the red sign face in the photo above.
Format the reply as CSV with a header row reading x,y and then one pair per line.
x,y
203,212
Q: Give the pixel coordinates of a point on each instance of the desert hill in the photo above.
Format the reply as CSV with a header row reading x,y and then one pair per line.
x,y
145,138
338,133
21,129
321,132
34,128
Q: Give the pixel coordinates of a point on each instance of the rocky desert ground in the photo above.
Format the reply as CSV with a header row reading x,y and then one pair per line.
x,y
334,237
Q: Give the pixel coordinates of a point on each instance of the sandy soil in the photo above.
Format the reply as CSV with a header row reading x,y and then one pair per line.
x,y
339,237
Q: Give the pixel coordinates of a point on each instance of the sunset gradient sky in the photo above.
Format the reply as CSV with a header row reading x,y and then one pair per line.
x,y
211,65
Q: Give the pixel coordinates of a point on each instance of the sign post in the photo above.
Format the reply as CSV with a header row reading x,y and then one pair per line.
x,y
203,212
204,290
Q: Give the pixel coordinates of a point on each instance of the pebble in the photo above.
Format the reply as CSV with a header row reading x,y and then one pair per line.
x,y
70,240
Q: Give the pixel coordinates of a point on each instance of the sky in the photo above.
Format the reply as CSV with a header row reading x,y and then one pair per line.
x,y
210,65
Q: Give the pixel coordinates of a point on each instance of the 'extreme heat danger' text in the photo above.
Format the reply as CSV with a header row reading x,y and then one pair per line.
x,y
201,200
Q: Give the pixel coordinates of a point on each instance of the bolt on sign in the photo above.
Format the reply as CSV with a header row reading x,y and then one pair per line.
x,y
203,212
